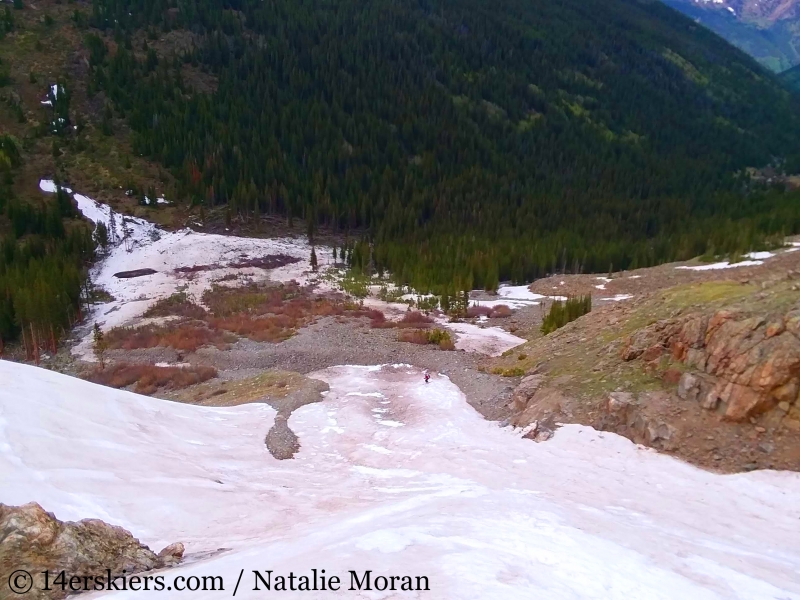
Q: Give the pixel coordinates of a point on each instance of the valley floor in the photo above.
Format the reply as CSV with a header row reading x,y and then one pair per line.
x,y
389,474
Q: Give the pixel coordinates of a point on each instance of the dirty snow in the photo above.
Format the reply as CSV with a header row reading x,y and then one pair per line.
x,y
513,296
618,297
484,340
759,255
142,245
722,265
482,513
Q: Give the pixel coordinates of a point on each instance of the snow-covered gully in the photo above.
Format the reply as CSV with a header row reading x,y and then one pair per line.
x,y
398,478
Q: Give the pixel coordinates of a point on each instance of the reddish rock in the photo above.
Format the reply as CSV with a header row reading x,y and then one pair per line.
x,y
652,353
671,376
786,393
775,328
34,540
744,402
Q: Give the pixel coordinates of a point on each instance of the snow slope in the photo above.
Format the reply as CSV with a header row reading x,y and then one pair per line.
x,y
402,478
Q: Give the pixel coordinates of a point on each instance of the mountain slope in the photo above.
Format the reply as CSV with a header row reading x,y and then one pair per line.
x,y
768,30
401,478
791,77
472,141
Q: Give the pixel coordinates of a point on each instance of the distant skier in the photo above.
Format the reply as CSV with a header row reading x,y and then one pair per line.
x,y
427,377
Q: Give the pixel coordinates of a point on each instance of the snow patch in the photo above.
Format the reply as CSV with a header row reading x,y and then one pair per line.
x,y
722,265
619,297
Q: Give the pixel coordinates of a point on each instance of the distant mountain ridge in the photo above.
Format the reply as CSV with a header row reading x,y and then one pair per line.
x,y
768,30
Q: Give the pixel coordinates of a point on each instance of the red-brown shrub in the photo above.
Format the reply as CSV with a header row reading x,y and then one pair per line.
x,y
187,337
478,311
413,336
149,378
500,311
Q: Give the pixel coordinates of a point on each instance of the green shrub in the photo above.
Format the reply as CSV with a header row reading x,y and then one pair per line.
x,y
562,313
509,372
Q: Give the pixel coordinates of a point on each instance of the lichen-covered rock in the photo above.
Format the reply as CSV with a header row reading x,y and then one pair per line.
x,y
34,540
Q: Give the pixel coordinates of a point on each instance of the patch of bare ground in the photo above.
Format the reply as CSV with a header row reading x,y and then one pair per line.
x,y
274,384
644,281
437,337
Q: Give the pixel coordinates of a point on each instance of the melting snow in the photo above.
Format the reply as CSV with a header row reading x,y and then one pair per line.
x,y
480,512
759,255
619,297
513,296
140,244
756,258
722,265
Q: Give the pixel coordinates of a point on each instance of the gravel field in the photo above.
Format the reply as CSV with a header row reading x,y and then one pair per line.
x,y
328,343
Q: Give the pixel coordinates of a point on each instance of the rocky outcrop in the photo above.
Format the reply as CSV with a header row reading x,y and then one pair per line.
x,y
624,415
34,540
740,365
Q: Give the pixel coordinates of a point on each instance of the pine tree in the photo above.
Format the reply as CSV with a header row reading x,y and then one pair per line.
x,y
101,235
99,345
313,259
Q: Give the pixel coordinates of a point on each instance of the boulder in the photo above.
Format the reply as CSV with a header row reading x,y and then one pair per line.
x,y
652,353
524,392
695,387
689,387
660,434
34,540
744,402
672,376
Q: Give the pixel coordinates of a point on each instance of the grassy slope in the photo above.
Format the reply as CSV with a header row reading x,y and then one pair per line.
x,y
585,353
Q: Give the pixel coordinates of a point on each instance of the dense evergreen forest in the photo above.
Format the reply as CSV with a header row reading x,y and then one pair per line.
x,y
791,77
470,141
44,254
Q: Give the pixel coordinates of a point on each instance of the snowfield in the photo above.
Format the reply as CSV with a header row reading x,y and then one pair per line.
x,y
400,478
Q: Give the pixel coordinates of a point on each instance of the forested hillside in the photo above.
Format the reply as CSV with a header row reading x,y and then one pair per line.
x,y
475,141
791,77
468,141
44,254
